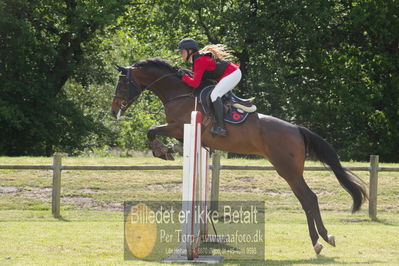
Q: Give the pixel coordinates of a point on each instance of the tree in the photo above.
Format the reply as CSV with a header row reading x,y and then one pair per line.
x,y
43,44
342,68
329,65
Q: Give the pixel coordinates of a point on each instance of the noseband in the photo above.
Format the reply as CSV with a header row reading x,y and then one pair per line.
x,y
131,87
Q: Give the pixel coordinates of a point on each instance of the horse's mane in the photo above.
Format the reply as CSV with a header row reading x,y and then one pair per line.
x,y
158,63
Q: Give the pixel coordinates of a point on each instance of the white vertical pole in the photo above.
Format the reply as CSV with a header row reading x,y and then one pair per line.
x,y
186,197
192,168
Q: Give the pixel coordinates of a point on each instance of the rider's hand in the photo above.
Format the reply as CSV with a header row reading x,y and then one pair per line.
x,y
180,73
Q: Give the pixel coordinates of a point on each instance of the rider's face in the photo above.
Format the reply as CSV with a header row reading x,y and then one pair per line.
x,y
183,54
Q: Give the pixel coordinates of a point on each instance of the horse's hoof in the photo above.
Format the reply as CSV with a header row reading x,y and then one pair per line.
x,y
169,157
157,154
331,240
317,248
177,148
164,150
158,147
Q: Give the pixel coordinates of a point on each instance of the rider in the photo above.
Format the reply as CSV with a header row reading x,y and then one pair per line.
x,y
210,63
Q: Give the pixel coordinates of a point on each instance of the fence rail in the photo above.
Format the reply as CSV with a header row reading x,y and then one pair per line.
x,y
216,167
178,167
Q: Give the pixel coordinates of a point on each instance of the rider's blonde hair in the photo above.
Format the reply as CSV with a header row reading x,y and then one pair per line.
x,y
218,51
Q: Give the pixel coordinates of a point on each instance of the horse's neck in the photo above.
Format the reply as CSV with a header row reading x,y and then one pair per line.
x,y
170,89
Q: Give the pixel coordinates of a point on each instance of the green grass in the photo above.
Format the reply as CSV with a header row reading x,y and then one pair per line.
x,y
91,231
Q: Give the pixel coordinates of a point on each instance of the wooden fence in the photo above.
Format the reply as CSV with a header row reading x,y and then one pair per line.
x,y
216,167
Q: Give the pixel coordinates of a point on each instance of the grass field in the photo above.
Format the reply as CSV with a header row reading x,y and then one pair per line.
x,y
91,228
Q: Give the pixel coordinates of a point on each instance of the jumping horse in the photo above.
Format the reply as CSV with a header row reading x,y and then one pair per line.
x,y
284,144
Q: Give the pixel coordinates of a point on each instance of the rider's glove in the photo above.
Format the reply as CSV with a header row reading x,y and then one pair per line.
x,y
180,73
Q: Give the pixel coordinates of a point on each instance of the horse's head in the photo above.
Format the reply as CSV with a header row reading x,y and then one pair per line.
x,y
126,92
154,74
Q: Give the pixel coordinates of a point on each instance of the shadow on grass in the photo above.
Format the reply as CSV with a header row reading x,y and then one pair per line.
x,y
317,261
384,222
62,219
380,221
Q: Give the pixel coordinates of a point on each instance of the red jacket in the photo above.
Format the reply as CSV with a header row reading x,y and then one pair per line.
x,y
201,64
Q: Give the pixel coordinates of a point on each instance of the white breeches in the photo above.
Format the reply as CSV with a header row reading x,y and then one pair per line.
x,y
226,84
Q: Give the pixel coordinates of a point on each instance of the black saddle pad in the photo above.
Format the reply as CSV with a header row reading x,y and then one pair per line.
x,y
232,114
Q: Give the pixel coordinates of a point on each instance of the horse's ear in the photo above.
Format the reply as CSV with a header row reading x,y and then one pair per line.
x,y
123,70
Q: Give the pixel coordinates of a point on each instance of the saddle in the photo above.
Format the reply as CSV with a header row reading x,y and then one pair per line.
x,y
236,109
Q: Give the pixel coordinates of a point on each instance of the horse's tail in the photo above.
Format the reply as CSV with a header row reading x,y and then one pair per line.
x,y
319,149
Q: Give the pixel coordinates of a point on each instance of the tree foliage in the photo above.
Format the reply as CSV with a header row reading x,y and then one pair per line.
x,y
43,44
331,66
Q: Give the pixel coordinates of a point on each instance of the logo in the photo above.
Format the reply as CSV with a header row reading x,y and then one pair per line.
x,y
236,115
140,232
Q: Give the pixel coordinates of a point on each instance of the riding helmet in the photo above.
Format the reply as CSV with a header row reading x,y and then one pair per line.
x,y
188,43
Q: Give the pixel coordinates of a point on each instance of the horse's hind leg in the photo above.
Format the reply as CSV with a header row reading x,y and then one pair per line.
x,y
288,157
310,205
330,239
307,199
315,210
289,165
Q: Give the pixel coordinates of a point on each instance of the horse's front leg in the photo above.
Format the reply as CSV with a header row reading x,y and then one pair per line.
x,y
159,149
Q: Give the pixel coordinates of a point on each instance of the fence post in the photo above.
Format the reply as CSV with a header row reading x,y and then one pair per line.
x,y
55,205
215,181
374,161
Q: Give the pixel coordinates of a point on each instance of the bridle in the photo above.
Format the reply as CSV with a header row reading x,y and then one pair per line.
x,y
134,87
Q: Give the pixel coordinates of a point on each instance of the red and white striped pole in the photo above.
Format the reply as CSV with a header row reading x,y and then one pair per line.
x,y
195,185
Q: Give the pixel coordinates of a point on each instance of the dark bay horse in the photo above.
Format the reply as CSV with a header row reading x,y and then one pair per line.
x,y
285,145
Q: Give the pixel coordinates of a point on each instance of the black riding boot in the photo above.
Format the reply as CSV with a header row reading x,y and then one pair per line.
x,y
218,127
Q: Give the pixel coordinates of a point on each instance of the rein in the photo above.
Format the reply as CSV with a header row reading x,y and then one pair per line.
x,y
191,95
160,78
132,83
